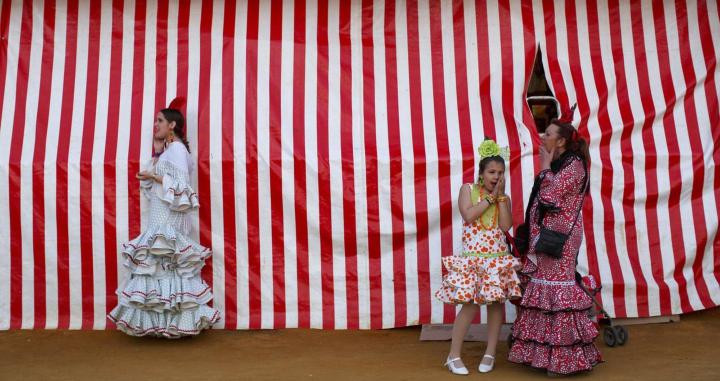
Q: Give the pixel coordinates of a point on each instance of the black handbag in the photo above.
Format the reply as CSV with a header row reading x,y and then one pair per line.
x,y
552,242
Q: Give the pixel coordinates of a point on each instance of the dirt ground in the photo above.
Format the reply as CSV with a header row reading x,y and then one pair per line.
x,y
688,350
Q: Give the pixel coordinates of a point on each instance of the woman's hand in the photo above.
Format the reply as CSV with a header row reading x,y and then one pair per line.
x,y
143,175
546,157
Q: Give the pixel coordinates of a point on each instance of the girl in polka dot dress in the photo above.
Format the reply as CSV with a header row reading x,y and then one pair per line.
x,y
484,273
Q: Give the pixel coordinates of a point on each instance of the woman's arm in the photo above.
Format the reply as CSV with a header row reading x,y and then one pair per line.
x,y
468,211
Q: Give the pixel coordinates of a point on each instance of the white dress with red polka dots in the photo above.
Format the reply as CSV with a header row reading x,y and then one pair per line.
x,y
485,271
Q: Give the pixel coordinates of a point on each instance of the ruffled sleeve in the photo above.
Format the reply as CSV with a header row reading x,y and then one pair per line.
x,y
556,187
174,166
146,186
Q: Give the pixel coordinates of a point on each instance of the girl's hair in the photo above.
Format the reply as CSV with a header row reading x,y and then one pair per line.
x,y
574,143
484,163
174,115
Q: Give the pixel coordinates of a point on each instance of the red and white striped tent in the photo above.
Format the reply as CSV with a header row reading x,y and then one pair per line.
x,y
331,139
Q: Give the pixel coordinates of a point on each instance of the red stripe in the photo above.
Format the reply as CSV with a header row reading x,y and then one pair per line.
x,y
86,153
161,64
4,25
420,168
251,167
183,59
463,109
441,137
62,167
713,109
110,196
650,170
348,174
275,165
583,106
396,168
14,186
676,228
39,165
228,166
698,161
324,194
301,221
606,173
203,135
371,168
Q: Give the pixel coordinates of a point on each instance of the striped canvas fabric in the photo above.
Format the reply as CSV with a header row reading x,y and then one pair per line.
x,y
331,139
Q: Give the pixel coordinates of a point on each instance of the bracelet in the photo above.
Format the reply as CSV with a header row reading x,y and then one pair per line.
x,y
490,199
502,198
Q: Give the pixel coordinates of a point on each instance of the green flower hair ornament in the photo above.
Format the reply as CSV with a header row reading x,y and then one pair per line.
x,y
489,148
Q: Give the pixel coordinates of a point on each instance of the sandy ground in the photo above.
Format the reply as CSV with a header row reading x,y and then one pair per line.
x,y
688,350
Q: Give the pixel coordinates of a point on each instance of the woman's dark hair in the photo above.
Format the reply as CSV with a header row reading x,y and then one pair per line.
x,y
484,163
573,142
174,115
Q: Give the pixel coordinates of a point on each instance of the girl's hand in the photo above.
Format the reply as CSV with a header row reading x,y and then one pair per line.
x,y
546,157
500,187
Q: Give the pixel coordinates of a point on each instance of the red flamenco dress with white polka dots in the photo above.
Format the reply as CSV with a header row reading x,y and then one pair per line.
x,y
484,272
552,330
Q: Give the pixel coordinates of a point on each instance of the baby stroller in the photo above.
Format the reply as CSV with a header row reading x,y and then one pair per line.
x,y
613,334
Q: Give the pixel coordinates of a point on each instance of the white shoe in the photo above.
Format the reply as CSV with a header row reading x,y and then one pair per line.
x,y
461,370
487,368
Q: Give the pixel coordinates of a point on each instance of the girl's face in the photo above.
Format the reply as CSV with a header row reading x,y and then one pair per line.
x,y
162,128
493,172
552,140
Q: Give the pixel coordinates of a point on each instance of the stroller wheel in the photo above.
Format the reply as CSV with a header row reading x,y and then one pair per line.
x,y
610,337
621,334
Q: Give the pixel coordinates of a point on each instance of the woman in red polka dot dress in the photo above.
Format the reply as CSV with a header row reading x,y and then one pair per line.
x,y
484,273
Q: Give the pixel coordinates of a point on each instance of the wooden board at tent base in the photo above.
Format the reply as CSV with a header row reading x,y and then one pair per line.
x,y
478,332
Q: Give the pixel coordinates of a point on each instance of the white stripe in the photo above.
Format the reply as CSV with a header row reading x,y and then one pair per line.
x,y
193,95
642,243
123,140
686,156
668,260
561,38
311,103
335,161
360,166
148,89
239,91
408,178
265,228
172,51
50,167
595,169
73,178
26,182
430,144
98,171
383,148
6,130
288,167
215,137
616,154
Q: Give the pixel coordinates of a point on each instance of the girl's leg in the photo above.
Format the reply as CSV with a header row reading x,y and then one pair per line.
x,y
462,324
494,322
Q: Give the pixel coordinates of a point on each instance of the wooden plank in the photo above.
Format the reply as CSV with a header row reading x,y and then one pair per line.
x,y
477,332
648,320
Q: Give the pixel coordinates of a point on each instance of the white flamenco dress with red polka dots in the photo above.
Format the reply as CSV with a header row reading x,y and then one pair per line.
x,y
484,272
165,295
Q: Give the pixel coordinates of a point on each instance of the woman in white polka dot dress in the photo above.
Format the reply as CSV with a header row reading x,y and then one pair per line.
x,y
165,295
